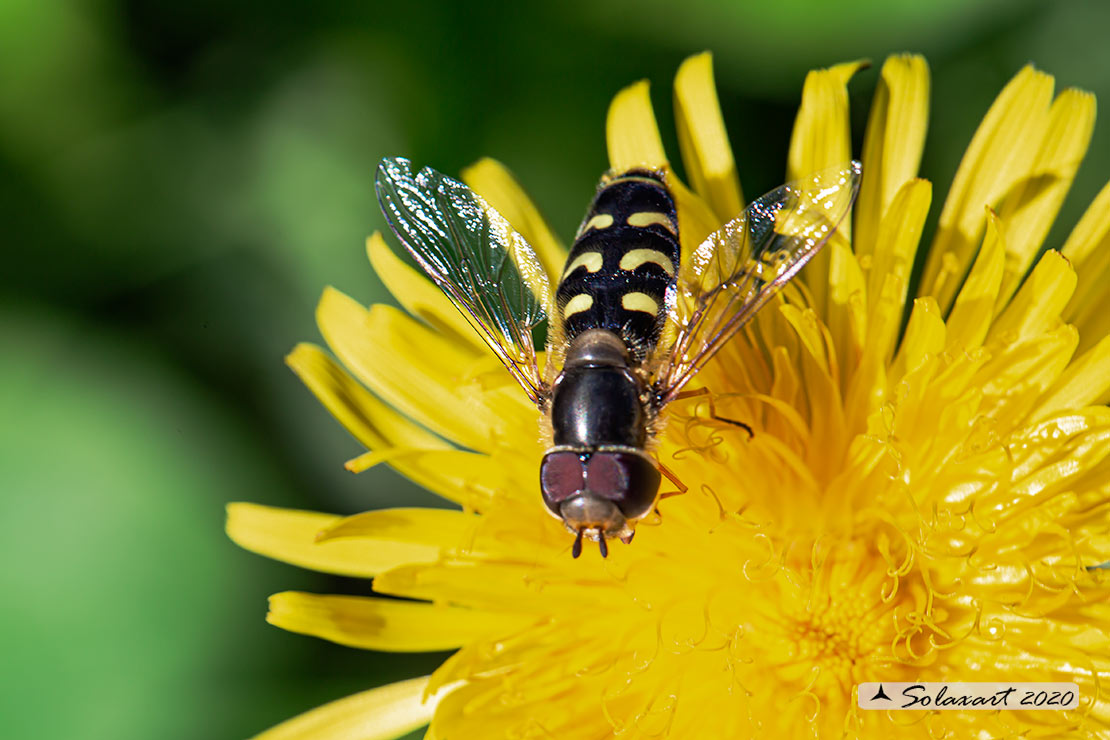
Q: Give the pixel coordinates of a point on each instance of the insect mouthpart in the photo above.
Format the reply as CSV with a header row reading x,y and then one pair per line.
x,y
576,549
589,513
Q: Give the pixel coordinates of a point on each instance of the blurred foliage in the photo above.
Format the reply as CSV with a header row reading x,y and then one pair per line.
x,y
180,180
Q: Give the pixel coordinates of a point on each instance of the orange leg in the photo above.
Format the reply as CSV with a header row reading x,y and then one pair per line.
x,y
713,409
682,488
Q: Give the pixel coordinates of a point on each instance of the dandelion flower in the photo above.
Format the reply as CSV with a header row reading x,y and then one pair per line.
x,y
923,503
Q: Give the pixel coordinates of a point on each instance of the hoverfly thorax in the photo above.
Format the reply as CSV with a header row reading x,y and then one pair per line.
x,y
624,281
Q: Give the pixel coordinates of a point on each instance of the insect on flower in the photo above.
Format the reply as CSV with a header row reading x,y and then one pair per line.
x,y
632,319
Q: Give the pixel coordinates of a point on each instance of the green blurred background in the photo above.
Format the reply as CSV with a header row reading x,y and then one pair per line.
x,y
179,182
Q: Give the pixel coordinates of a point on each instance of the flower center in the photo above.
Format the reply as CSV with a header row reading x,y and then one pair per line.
x,y
833,628
841,636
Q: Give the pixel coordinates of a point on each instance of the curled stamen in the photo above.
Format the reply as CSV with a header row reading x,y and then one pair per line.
x,y
716,499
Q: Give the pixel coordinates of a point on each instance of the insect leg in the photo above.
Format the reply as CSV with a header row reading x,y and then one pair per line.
x,y
682,487
713,409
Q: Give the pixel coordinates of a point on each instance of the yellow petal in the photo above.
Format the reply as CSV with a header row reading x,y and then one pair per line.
x,y
893,143
925,336
493,181
1032,203
415,452
1094,327
899,237
412,367
867,387
290,536
469,479
806,325
385,624
847,320
372,458
971,316
372,423
827,421
1035,363
890,265
419,295
631,131
1041,300
695,220
1084,382
432,527
500,582
1016,376
703,140
822,138
383,713
1088,249
999,155
784,393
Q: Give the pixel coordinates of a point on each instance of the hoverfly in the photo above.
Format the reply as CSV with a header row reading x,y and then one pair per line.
x,y
631,321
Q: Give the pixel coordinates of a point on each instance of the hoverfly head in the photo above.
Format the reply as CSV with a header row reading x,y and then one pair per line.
x,y
600,493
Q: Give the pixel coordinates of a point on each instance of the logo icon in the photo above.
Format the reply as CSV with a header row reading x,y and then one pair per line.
x,y
880,694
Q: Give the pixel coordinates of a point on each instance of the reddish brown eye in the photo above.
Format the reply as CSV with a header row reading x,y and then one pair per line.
x,y
607,476
627,479
561,476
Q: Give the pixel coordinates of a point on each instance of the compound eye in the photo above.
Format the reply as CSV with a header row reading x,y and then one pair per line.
x,y
607,476
627,479
562,475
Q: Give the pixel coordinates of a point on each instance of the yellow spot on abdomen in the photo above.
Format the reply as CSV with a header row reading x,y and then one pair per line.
x,y
633,258
639,302
590,260
647,218
600,221
578,304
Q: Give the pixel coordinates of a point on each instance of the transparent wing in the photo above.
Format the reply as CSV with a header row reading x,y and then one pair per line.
x,y
735,271
486,268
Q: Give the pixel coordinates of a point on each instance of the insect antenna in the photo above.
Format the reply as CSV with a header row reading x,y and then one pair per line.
x,y
601,543
576,550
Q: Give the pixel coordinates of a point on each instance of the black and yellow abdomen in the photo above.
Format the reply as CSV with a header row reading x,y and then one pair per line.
x,y
622,262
